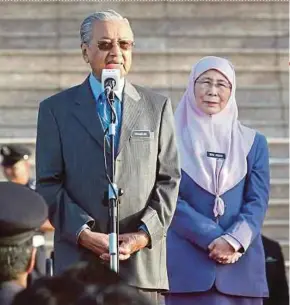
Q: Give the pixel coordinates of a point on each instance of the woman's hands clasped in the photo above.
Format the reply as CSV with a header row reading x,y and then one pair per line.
x,y
222,252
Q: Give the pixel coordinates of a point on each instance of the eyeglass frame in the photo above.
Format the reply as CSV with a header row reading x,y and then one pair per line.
x,y
219,86
131,43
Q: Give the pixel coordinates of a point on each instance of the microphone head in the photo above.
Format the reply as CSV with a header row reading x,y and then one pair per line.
x,y
111,79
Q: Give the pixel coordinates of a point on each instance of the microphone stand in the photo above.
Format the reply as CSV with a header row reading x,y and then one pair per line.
x,y
113,191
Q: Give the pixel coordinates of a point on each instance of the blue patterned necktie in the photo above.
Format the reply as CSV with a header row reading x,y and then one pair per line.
x,y
104,112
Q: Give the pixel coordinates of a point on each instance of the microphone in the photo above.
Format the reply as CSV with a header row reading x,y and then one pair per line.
x,y
110,80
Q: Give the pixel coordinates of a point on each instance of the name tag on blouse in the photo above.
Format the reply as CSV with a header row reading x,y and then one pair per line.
x,y
216,155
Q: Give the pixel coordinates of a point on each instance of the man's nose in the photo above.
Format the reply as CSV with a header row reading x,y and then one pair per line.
x,y
116,50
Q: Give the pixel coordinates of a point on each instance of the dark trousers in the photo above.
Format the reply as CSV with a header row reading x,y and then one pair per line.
x,y
155,297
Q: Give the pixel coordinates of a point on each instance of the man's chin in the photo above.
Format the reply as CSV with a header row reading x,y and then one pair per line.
x,y
123,73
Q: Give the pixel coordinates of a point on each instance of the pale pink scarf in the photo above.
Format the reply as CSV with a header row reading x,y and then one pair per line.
x,y
198,133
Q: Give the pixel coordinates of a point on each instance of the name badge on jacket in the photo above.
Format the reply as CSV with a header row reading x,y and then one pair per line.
x,y
142,134
216,155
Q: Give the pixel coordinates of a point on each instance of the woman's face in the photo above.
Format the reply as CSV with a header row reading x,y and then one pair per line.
x,y
212,91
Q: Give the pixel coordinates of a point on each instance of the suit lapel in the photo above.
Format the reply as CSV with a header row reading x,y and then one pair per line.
x,y
84,109
132,109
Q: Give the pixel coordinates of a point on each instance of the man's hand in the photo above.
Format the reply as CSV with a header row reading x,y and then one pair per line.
x,y
96,242
133,242
130,243
221,251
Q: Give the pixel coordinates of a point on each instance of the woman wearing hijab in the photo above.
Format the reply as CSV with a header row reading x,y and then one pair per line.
x,y
214,246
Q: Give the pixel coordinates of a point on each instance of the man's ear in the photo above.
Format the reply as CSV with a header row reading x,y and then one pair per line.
x,y
31,263
8,172
84,48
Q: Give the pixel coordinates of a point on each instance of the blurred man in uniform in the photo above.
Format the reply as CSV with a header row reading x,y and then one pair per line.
x,y
22,212
17,168
16,164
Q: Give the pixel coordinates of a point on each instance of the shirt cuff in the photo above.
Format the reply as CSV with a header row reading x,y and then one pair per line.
x,y
143,227
82,228
232,241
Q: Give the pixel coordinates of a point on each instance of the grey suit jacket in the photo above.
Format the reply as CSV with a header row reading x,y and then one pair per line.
x,y
71,176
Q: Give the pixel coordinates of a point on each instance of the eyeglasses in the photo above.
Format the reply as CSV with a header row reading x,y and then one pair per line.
x,y
207,84
107,45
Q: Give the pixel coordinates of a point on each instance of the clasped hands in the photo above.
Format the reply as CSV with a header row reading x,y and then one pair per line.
x,y
99,243
222,252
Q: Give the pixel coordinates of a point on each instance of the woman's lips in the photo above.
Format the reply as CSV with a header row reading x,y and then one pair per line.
x,y
212,104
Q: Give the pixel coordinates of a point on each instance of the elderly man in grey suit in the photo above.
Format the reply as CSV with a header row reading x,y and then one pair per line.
x,y
70,163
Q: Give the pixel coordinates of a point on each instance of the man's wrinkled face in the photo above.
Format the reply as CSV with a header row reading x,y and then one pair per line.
x,y
18,172
111,44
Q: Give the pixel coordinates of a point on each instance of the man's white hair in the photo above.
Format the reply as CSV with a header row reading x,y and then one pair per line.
x,y
87,25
